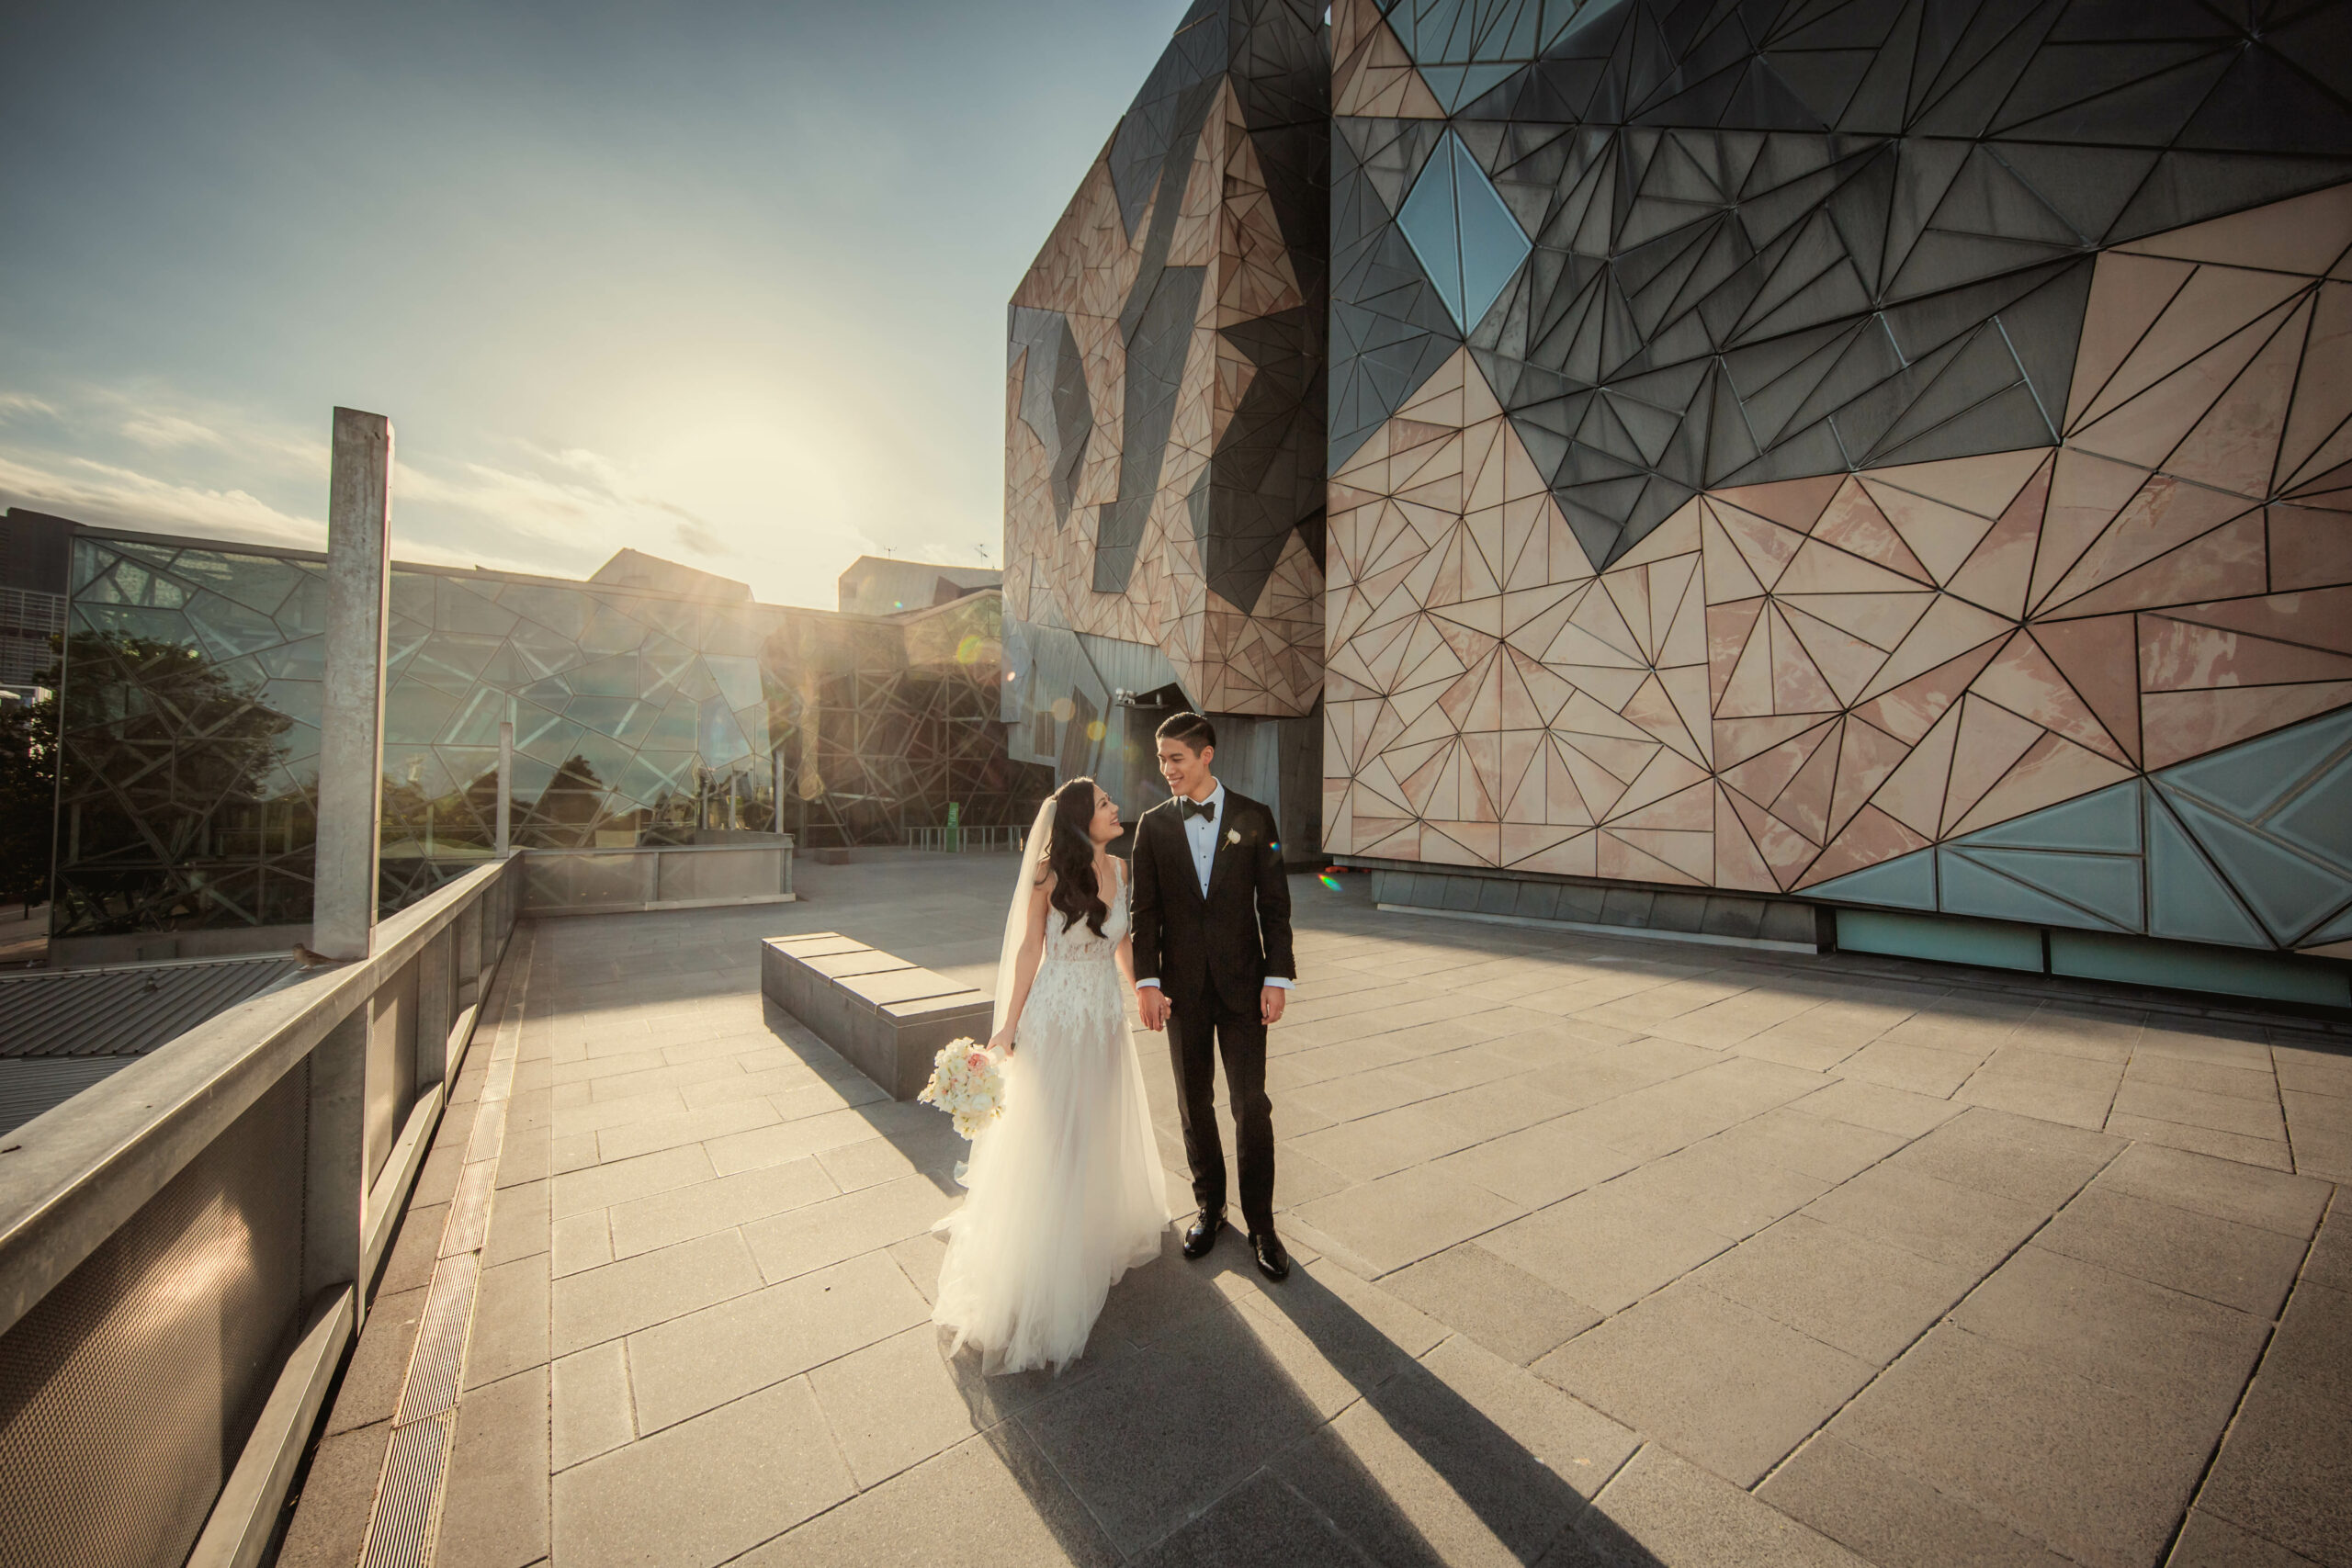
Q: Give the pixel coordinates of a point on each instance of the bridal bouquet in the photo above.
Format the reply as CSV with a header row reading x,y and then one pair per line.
x,y
967,1082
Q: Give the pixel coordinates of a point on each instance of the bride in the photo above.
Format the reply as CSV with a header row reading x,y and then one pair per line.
x,y
1066,1187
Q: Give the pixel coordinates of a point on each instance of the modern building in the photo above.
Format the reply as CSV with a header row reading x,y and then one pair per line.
x,y
1164,424
884,585
1872,473
650,704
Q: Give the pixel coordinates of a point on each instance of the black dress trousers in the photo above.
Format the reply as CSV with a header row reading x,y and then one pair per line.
x,y
1196,1034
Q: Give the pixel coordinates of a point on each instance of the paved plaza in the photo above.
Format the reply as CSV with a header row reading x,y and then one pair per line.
x,y
1612,1252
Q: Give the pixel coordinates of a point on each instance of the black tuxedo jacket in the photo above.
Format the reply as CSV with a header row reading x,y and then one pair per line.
x,y
1226,943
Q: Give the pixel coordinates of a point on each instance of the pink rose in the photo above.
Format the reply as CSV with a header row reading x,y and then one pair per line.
x,y
978,1061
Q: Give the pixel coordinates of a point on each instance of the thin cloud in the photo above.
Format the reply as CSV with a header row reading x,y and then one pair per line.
x,y
163,431
102,493
147,458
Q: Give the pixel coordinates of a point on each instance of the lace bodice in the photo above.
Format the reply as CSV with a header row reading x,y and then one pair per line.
x,y
1078,942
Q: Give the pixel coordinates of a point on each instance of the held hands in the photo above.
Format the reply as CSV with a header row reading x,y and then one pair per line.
x,y
1152,1003
1269,1003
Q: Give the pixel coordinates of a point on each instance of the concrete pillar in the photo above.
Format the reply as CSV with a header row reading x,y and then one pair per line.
x,y
351,733
505,787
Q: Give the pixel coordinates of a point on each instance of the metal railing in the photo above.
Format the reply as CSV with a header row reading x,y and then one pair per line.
x,y
183,1245
967,841
656,876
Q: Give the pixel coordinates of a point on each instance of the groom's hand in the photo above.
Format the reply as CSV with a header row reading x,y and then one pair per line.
x,y
1270,1002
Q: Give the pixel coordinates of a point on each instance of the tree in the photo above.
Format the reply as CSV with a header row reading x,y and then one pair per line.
x,y
28,797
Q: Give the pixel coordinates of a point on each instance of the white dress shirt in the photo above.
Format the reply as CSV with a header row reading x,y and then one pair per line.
x,y
1200,836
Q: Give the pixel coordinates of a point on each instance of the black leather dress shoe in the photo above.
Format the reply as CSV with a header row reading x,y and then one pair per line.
x,y
1201,1234
1272,1262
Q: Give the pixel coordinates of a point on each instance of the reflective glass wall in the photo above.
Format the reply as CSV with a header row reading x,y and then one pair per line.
x,y
880,724
191,691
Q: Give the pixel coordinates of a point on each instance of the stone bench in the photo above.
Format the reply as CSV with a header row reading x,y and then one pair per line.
x,y
886,1016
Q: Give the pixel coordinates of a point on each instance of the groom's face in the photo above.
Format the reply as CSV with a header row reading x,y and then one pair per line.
x,y
1185,770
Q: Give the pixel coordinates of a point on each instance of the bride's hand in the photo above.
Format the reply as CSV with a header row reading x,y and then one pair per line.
x,y
1002,1040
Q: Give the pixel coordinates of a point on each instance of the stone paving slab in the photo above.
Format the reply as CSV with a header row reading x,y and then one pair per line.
x,y
1608,1255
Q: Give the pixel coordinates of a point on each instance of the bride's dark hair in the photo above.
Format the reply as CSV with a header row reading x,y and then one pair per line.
x,y
1069,855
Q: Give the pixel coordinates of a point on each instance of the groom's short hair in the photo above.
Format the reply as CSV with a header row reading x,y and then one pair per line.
x,y
1190,729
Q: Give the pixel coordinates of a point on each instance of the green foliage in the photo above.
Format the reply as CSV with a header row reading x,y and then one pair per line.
x,y
27,797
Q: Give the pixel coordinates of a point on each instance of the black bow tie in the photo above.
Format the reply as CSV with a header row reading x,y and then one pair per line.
x,y
1191,808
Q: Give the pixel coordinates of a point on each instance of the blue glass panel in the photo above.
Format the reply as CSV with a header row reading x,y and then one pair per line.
x,y
1946,942
1907,883
2248,778
2186,897
1426,218
2288,893
2337,930
1493,244
2137,962
622,719
1456,85
1465,235
1968,888
460,607
2107,822
414,714
2320,817
2107,886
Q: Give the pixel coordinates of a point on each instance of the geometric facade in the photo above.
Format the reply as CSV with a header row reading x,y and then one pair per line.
x,y
643,714
1895,453
1164,404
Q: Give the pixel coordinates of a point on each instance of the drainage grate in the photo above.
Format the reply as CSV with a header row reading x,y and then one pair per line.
x,y
469,1211
402,1532
402,1536
441,1338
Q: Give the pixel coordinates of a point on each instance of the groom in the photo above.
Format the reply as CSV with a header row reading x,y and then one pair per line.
x,y
1214,966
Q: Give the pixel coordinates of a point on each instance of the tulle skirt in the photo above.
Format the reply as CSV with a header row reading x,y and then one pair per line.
x,y
1066,1190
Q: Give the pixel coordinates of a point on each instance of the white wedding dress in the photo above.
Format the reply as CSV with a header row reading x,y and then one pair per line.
x,y
1067,1192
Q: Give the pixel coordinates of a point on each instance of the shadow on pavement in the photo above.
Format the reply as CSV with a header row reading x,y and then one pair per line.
x,y
1218,1420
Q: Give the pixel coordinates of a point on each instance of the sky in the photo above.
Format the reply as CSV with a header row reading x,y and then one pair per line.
x,y
723,282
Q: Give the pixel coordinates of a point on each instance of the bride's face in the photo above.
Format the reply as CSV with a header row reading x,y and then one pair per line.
x,y
1105,825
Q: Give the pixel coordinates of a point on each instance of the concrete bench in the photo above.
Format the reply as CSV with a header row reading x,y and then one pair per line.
x,y
886,1016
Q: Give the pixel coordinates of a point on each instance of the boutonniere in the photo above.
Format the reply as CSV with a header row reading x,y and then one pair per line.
x,y
1233,836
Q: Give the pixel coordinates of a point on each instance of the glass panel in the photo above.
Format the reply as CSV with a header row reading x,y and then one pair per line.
x,y
2107,820
1968,888
2186,897
1908,882
1947,942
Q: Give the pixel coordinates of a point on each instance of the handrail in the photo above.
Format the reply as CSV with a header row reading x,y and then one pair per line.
x,y
783,841
966,838
73,1175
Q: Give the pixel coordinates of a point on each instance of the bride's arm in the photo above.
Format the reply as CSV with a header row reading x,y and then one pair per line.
x,y
1024,962
1126,955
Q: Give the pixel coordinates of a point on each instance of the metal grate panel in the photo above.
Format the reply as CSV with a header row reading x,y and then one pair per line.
x,y
127,1011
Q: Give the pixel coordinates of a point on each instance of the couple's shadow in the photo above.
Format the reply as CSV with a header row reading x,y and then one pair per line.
x,y
1217,1419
